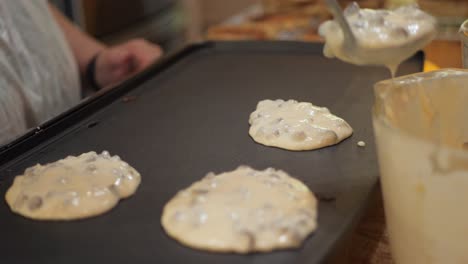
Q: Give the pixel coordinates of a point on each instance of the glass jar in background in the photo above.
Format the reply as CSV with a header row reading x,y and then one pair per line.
x,y
422,142
463,33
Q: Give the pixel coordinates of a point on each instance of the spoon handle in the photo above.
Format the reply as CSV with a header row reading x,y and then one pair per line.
x,y
338,14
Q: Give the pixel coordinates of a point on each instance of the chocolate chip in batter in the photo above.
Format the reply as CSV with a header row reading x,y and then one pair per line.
x,y
299,136
250,239
276,133
399,32
34,203
91,168
113,189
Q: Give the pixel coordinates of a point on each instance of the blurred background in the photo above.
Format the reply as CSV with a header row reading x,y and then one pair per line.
x,y
173,23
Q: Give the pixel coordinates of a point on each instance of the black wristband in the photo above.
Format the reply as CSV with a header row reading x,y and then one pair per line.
x,y
90,74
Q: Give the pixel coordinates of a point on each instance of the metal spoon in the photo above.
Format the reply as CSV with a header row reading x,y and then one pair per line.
x,y
350,40
387,55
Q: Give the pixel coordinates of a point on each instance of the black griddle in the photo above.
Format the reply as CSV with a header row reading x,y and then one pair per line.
x,y
184,117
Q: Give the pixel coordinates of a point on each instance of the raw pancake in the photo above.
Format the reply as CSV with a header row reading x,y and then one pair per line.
x,y
242,211
72,188
296,126
378,29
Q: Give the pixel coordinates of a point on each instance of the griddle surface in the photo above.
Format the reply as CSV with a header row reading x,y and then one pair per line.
x,y
190,117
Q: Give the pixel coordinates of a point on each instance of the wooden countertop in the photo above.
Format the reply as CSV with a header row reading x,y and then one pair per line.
x,y
369,243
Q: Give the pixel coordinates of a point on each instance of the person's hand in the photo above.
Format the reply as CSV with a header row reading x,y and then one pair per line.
x,y
117,63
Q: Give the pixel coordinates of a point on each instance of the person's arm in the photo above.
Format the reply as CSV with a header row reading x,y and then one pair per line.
x,y
113,64
84,47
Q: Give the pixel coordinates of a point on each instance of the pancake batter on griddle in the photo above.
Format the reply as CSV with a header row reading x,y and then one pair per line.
x,y
296,125
72,188
242,211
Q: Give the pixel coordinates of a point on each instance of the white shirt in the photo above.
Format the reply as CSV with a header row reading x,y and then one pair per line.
x,y
39,77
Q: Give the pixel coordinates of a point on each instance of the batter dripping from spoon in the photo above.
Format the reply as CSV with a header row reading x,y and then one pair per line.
x,y
383,37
